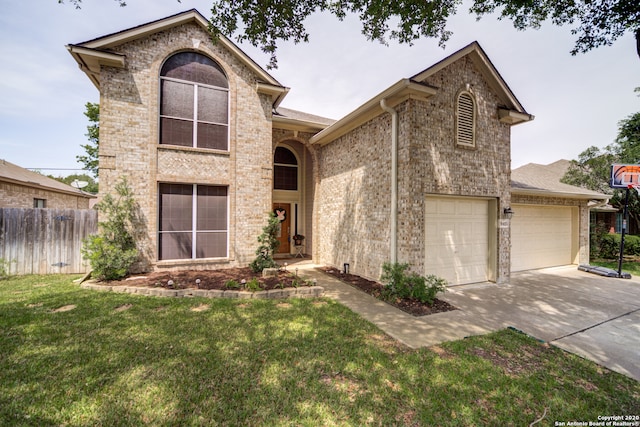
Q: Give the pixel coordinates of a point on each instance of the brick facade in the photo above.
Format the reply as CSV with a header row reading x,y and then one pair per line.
x,y
129,135
21,196
343,201
354,196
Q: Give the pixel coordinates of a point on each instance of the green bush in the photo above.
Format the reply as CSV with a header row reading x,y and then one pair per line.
x,y
268,245
113,251
399,284
608,246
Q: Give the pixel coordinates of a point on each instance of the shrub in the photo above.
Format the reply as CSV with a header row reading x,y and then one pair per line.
x,y
399,284
113,251
253,285
232,284
4,269
268,245
608,246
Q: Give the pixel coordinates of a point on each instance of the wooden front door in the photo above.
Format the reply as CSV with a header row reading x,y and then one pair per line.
x,y
283,213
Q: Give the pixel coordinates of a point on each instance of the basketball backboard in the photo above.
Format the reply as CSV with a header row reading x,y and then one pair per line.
x,y
624,176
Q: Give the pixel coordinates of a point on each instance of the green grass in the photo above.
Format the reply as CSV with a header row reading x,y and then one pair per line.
x,y
632,267
120,359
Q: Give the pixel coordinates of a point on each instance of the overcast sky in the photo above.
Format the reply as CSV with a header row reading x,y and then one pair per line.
x,y
577,100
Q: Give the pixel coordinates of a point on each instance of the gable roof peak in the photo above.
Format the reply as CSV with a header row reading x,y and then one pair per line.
x,y
489,71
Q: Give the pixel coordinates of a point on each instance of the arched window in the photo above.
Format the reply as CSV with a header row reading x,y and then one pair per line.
x,y
194,106
466,120
285,170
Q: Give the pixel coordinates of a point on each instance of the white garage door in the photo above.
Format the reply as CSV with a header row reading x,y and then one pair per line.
x,y
541,236
457,239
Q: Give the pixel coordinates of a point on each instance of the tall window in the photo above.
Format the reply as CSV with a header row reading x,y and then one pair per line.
x,y
193,221
285,170
466,120
194,106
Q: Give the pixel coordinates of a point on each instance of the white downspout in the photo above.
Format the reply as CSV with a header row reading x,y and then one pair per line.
x,y
394,180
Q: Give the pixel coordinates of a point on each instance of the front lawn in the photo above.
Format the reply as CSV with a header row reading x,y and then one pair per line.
x,y
632,267
76,357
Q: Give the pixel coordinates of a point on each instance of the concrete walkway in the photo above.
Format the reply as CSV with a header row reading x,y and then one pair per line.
x,y
595,317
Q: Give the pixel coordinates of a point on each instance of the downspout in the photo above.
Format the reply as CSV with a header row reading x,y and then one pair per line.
x,y
394,180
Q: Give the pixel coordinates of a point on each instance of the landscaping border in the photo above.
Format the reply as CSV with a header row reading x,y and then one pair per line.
x,y
301,292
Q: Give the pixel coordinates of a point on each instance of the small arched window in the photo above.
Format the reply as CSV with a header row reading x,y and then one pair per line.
x,y
466,120
194,102
285,170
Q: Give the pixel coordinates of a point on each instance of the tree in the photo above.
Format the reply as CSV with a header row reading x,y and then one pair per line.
x,y
113,250
90,161
593,167
92,185
264,23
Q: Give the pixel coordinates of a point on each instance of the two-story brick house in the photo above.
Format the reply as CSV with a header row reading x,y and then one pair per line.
x,y
420,173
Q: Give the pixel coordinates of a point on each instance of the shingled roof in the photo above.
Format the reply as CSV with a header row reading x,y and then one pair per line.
x,y
544,180
17,175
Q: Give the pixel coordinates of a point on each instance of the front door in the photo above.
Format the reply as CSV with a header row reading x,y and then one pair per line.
x,y
283,213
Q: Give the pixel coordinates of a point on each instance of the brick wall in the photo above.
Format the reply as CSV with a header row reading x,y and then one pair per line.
x,y
129,129
20,196
354,192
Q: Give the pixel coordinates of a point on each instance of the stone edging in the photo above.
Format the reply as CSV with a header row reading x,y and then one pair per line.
x,y
301,292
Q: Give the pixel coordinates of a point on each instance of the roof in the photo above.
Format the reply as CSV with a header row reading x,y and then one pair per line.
x,y
544,180
91,55
491,75
287,118
511,111
17,175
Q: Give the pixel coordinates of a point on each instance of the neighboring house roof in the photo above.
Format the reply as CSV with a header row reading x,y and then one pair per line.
x,y
544,180
17,175
93,54
511,112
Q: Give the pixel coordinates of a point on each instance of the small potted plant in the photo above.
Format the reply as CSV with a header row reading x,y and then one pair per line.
x,y
297,239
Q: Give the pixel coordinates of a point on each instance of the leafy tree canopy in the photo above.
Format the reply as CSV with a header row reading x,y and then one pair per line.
x,y
91,187
90,160
264,23
592,169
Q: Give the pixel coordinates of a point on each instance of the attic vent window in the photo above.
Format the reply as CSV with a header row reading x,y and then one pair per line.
x,y
466,120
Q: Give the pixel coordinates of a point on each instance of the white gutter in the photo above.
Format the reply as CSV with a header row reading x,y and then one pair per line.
x,y
394,179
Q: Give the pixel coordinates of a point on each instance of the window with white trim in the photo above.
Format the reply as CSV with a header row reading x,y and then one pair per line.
x,y
194,102
193,221
466,119
285,170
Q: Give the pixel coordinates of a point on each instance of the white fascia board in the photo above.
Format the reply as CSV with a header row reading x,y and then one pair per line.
x,y
395,94
546,193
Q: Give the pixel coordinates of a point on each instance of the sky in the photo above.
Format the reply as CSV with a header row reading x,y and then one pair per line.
x,y
578,101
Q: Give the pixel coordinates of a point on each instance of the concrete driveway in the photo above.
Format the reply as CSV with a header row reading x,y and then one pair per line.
x,y
595,317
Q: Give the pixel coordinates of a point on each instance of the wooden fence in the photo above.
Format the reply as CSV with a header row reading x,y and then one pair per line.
x,y
45,241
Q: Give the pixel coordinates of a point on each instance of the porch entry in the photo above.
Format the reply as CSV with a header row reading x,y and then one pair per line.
x,y
283,213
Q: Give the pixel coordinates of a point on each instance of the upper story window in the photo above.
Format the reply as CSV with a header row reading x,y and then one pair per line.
x,y
285,170
194,102
466,119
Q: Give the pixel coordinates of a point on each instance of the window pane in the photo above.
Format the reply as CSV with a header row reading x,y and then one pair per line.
x,y
176,132
177,99
176,207
213,105
284,156
212,208
212,136
285,178
194,67
175,246
211,245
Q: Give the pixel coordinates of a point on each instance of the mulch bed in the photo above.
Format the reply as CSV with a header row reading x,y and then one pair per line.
x,y
411,306
209,279
217,279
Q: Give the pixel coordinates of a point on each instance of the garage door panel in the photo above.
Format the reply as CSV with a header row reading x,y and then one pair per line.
x,y
541,236
457,247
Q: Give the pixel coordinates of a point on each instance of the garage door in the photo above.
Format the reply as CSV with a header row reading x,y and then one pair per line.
x,y
541,236
457,239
